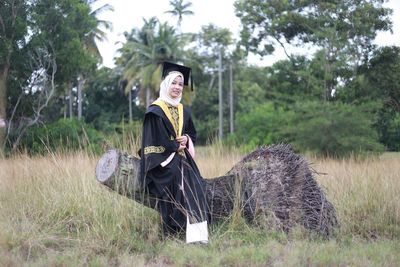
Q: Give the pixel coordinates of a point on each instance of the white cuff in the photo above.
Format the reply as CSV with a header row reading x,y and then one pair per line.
x,y
168,160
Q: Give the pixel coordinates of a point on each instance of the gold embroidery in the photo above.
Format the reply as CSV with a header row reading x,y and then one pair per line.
x,y
153,149
175,116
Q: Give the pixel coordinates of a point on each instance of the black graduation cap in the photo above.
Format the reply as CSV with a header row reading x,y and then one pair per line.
x,y
168,67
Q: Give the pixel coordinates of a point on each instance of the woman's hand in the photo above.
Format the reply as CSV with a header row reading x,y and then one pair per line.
x,y
181,147
182,140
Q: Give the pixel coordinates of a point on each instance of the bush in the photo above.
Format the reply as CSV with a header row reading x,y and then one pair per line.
x,y
64,135
264,124
333,129
323,128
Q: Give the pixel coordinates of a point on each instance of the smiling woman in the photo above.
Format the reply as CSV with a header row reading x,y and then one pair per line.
x,y
176,87
167,168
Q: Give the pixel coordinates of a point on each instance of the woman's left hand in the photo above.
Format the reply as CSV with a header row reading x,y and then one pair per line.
x,y
182,140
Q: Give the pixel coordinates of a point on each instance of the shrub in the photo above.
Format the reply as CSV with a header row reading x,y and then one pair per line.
x,y
323,128
264,124
64,135
333,129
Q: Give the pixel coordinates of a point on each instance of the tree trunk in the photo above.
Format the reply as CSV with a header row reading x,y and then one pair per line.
x,y
231,124
65,107
148,96
3,105
130,105
329,78
271,186
220,107
81,83
71,111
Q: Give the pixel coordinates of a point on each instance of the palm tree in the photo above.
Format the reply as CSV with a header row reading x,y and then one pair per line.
x,y
96,34
179,10
143,53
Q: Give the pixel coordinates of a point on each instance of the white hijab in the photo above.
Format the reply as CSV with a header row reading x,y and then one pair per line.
x,y
164,87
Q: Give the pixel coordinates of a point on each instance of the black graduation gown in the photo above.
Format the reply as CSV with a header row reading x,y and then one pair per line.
x,y
165,183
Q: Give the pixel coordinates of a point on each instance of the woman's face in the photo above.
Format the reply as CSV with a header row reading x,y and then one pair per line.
x,y
175,90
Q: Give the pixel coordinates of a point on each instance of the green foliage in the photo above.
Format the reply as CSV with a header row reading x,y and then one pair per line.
x,y
289,81
250,92
43,30
179,9
143,53
13,15
125,136
262,125
65,24
388,127
13,29
342,31
333,23
323,128
214,37
333,129
106,103
378,80
62,135
205,114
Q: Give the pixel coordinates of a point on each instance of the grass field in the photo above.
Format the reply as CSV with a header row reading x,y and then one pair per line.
x,y
54,213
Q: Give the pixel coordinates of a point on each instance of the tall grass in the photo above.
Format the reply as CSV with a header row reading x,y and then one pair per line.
x,y
216,159
54,203
53,212
366,194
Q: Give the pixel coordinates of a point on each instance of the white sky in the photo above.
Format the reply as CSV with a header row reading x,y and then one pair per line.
x,y
129,14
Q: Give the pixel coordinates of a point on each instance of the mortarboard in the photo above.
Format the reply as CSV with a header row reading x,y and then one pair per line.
x,y
186,71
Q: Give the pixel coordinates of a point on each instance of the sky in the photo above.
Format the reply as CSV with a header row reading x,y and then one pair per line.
x,y
129,14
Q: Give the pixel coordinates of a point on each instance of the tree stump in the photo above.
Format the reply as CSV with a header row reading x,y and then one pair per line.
x,y
271,185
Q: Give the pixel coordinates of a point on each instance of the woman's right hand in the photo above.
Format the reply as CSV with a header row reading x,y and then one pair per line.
x,y
181,147
182,139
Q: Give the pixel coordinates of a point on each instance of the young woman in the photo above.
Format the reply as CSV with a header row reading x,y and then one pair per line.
x,y
168,170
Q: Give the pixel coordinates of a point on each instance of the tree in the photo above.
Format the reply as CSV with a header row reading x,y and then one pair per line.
x,y
333,129
292,80
324,128
13,29
106,103
179,10
95,34
342,31
66,24
378,80
41,84
59,25
143,54
214,41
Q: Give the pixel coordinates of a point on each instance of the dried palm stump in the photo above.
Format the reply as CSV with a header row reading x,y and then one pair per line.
x,y
272,186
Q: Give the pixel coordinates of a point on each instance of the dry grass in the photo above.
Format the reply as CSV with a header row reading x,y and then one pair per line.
x,y
52,204
54,213
366,193
216,160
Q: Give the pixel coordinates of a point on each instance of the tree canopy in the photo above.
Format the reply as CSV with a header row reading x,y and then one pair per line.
x,y
342,98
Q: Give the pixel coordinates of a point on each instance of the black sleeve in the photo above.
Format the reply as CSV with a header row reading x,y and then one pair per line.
x,y
156,135
157,145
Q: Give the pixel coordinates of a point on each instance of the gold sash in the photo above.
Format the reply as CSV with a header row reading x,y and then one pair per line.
x,y
167,113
